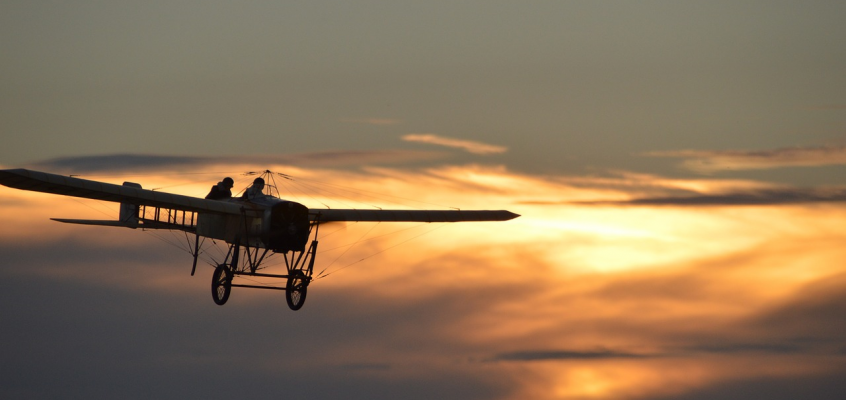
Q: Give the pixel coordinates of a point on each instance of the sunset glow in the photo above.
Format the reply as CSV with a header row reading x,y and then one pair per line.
x,y
568,301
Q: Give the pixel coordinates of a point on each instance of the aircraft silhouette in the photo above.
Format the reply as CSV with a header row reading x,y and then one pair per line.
x,y
252,226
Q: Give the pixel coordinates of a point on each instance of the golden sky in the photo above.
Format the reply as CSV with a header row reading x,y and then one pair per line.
x,y
573,300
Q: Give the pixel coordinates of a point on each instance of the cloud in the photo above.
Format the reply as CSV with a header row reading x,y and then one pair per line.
x,y
814,313
707,162
722,348
466,145
365,367
119,162
631,189
732,348
562,355
579,302
741,198
620,187
138,162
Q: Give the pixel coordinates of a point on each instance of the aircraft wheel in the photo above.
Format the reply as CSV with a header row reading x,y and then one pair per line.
x,y
296,289
221,284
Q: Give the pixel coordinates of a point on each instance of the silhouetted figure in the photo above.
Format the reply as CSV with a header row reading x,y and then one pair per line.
x,y
256,190
221,191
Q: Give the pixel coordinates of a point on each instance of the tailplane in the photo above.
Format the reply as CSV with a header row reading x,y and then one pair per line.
x,y
128,217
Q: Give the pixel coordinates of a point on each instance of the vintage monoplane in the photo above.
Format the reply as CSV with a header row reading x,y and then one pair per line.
x,y
251,227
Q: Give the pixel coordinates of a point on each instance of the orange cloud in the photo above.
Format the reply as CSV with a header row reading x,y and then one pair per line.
x,y
567,301
707,162
466,145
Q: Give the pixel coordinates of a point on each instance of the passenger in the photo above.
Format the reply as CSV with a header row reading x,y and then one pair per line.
x,y
256,190
221,191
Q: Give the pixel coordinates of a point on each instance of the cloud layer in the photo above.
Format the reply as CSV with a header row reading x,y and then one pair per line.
x,y
466,145
707,162
749,197
132,162
567,301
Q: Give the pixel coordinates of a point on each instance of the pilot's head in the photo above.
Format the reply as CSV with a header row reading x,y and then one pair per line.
x,y
258,182
228,182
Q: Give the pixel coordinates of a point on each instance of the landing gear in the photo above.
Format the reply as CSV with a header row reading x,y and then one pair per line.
x,y
221,284
296,290
300,266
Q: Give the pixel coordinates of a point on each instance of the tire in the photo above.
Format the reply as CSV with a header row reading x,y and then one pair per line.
x,y
296,290
221,284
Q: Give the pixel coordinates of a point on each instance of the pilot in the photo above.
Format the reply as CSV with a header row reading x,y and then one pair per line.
x,y
221,191
256,190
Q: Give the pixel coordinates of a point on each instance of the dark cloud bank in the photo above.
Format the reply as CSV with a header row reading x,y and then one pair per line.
x,y
744,198
94,340
136,162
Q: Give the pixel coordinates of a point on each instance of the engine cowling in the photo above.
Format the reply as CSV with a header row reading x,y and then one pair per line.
x,y
286,227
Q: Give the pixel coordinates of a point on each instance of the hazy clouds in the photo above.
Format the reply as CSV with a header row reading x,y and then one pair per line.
x,y
467,145
184,164
569,300
711,161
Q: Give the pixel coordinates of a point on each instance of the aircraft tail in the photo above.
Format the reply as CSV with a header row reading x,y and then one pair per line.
x,y
100,222
128,217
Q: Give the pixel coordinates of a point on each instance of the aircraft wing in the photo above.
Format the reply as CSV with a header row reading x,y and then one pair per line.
x,y
330,215
68,186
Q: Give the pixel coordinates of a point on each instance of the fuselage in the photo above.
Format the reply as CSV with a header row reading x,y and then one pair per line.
x,y
265,222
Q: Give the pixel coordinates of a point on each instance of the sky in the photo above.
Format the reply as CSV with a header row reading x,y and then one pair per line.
x,y
678,168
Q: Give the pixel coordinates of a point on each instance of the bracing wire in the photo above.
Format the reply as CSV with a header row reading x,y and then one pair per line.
x,y
376,237
350,247
290,190
326,235
87,204
163,239
322,275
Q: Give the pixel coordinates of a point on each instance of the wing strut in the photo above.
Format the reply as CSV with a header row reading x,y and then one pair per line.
x,y
196,253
